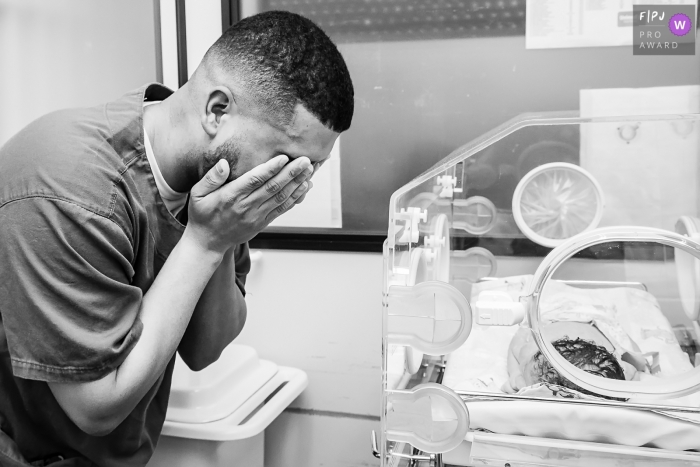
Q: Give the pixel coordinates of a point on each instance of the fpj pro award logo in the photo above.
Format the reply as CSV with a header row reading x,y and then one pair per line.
x,y
664,29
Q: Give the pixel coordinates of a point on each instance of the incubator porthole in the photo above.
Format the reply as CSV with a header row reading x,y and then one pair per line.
x,y
438,248
418,267
476,215
474,264
635,336
557,201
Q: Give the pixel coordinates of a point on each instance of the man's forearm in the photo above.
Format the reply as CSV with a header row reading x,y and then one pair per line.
x,y
97,407
217,319
220,215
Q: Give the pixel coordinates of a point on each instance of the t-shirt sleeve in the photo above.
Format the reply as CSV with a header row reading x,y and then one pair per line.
x,y
66,303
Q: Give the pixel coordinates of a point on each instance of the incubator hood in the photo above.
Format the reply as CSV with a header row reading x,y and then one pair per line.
x,y
542,298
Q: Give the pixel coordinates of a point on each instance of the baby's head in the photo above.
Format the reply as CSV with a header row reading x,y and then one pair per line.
x,y
582,354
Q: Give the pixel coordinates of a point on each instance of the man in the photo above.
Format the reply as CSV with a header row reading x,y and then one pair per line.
x,y
108,267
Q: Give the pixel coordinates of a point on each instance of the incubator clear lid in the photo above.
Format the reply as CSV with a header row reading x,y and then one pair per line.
x,y
556,257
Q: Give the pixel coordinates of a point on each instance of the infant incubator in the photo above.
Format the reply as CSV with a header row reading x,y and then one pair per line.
x,y
542,298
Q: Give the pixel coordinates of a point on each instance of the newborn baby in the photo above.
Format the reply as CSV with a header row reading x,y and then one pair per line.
x,y
590,350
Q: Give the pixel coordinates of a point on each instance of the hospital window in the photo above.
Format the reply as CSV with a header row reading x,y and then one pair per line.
x,y
430,76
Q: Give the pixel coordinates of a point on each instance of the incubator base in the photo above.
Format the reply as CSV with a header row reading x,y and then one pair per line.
x,y
498,450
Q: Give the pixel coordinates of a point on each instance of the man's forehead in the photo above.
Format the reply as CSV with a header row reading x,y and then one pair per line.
x,y
317,153
309,137
303,123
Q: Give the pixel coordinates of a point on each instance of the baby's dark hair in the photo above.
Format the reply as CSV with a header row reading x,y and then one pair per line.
x,y
581,354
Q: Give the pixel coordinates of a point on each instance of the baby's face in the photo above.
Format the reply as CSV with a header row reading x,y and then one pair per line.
x,y
528,370
526,361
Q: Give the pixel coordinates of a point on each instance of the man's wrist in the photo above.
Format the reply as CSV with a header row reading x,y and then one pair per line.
x,y
190,242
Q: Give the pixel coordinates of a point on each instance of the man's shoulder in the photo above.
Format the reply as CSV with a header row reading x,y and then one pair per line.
x,y
58,137
67,154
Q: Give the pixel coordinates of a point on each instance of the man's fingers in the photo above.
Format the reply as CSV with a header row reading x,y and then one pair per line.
x,y
293,173
318,165
279,210
292,191
262,175
289,203
301,198
212,180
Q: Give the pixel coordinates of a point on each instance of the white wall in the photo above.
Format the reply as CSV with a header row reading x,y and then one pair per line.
x,y
66,53
321,312
317,311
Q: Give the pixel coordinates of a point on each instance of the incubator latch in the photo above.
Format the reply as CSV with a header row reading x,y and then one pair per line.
x,y
448,183
495,308
411,216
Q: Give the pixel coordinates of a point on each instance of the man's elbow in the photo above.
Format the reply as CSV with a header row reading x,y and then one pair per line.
x,y
94,423
98,427
91,408
202,358
200,362
197,359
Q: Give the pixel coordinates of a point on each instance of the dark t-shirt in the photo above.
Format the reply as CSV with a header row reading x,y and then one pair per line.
x,y
83,234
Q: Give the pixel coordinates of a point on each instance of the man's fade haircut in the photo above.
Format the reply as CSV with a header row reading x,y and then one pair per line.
x,y
283,60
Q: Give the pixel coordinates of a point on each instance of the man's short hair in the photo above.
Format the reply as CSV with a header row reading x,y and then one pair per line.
x,y
589,357
283,60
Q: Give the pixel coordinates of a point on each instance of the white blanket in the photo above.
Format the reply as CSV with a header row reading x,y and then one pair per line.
x,y
480,364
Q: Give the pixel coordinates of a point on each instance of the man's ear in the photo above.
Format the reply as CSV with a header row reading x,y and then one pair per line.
x,y
220,104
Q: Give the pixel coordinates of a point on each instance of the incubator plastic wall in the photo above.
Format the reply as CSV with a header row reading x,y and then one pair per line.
x,y
548,272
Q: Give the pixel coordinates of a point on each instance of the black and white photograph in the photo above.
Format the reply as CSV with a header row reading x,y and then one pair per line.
x,y
349,233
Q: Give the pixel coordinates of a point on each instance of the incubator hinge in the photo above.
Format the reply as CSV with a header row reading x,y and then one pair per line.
x,y
447,184
412,217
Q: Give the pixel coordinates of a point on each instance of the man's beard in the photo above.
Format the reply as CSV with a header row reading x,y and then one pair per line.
x,y
228,151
